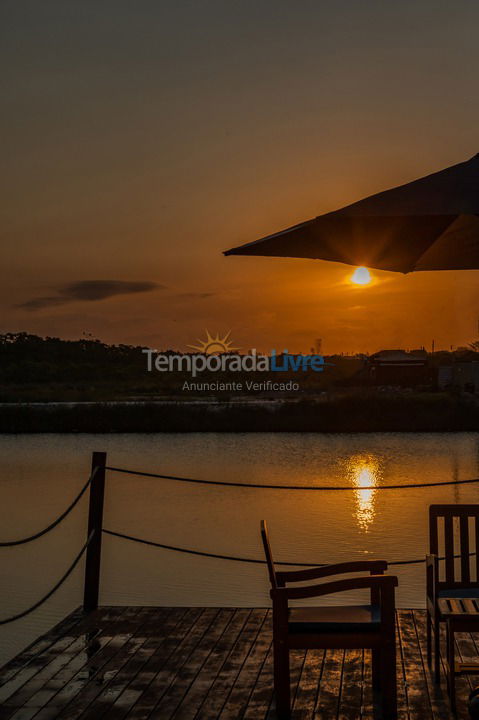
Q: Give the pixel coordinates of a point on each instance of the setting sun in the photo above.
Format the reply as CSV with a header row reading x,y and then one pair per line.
x,y
361,276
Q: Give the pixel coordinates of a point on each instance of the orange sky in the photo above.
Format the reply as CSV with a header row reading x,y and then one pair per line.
x,y
143,139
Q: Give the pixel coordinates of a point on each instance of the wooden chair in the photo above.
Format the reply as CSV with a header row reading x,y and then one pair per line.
x,y
367,626
455,583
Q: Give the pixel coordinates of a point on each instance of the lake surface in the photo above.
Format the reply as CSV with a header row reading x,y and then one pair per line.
x,y
40,475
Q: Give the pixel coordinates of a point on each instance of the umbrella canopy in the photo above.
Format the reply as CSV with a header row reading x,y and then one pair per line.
x,y
428,224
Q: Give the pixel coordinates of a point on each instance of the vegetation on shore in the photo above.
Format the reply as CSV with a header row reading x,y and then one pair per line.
x,y
63,377
353,412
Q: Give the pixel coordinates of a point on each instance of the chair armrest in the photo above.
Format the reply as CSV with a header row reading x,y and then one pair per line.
x,y
375,567
379,582
432,575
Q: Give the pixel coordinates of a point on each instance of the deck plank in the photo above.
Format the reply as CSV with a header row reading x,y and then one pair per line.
x,y
205,679
188,672
437,693
262,694
26,659
97,698
308,687
21,673
182,622
166,675
402,679
147,663
416,686
246,678
297,658
223,684
117,701
85,668
327,705
350,702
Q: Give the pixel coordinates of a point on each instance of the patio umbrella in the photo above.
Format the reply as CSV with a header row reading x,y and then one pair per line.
x,y
428,224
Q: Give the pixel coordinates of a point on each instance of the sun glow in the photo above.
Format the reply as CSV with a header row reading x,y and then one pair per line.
x,y
365,472
361,276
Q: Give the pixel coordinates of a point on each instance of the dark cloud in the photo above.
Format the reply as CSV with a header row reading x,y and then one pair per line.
x,y
196,295
89,290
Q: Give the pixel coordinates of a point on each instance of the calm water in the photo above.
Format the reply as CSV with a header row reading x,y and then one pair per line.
x,y
42,473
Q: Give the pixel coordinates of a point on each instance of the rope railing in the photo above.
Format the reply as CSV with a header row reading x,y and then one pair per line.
x,y
54,589
96,483
259,486
237,558
55,523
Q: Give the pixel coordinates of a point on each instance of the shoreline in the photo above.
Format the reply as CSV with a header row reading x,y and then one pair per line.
x,y
361,413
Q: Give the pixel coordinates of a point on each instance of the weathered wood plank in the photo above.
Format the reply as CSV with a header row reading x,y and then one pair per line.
x,y
166,674
367,688
98,697
350,701
308,686
187,673
327,705
416,686
262,694
437,693
401,677
118,699
87,667
243,685
182,623
48,668
200,687
223,684
297,658
26,659
210,664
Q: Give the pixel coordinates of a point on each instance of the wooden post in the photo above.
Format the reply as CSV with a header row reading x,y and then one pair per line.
x,y
95,522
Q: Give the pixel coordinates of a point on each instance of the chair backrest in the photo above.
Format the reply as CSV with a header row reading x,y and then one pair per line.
x,y
454,535
268,554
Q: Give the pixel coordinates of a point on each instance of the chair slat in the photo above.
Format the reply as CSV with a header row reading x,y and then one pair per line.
x,y
469,605
433,532
465,560
449,548
455,606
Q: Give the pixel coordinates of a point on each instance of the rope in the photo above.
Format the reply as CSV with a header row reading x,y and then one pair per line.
x,y
236,558
51,592
56,522
292,487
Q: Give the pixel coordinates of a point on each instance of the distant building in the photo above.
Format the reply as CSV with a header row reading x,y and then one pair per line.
x,y
445,376
399,368
465,376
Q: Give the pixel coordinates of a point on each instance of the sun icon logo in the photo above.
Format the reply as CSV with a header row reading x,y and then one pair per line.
x,y
214,345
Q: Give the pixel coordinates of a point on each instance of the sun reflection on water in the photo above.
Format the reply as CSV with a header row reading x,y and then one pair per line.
x,y
365,472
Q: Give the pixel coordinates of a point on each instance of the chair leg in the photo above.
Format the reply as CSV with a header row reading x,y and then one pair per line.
x,y
389,682
282,680
451,667
429,637
437,650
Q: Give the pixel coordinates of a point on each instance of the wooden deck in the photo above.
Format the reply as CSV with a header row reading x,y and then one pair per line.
x,y
206,663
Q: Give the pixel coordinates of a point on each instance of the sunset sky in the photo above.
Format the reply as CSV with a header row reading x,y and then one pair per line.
x,y
141,139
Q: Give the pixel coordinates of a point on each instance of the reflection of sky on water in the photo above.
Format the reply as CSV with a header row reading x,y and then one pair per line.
x,y
364,471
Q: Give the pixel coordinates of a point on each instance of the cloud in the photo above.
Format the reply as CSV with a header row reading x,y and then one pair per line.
x,y
196,295
90,291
